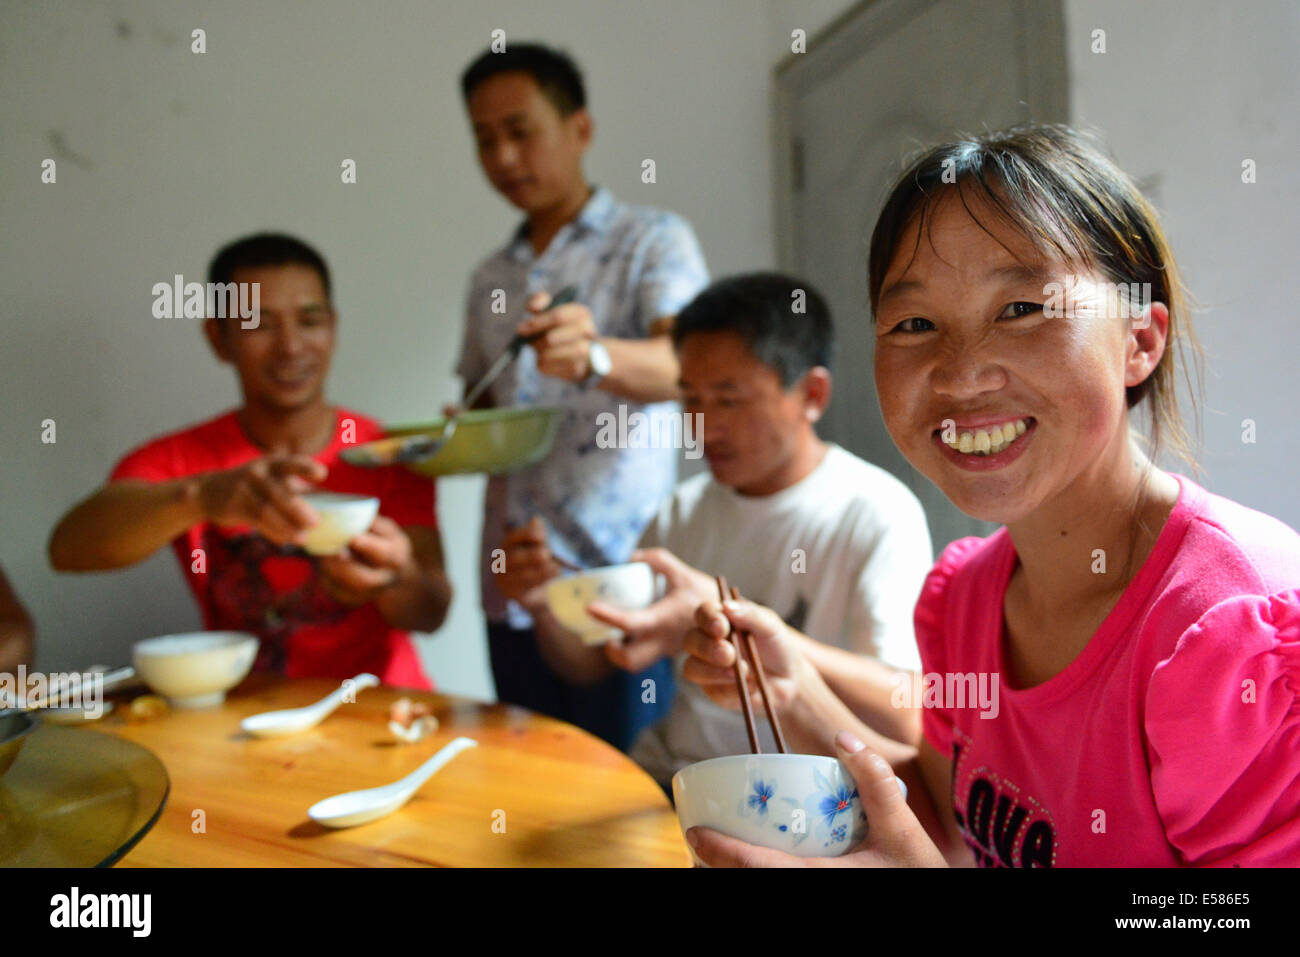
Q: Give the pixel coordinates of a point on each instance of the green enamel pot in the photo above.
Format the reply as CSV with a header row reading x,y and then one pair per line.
x,y
490,441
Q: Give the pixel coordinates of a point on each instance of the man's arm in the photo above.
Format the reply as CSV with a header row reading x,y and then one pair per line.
x,y
896,541
566,654
650,634
643,370
867,686
529,565
128,520
17,635
422,594
670,271
124,523
399,569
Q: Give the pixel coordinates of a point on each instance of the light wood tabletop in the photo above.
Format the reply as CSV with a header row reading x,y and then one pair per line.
x,y
535,792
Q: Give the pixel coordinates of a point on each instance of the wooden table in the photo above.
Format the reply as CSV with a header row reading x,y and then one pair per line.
x,y
535,792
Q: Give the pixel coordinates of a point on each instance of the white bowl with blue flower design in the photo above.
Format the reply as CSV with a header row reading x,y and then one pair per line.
x,y
803,804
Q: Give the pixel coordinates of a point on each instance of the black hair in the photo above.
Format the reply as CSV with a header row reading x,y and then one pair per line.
x,y
266,249
785,321
555,73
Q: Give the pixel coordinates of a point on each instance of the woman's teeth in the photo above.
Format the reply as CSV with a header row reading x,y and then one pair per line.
x,y
989,440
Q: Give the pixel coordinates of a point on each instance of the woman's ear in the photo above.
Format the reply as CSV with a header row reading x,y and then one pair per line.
x,y
817,392
1148,336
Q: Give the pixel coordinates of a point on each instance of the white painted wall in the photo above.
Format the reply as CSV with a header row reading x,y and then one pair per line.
x,y
1187,90
810,16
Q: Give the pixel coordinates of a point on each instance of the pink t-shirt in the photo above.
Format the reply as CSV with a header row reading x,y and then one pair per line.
x,y
1172,739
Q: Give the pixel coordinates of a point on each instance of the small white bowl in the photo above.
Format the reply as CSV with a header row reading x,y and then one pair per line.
x,y
195,670
342,518
803,804
627,586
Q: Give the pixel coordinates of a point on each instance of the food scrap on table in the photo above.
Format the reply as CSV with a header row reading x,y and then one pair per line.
x,y
411,721
146,707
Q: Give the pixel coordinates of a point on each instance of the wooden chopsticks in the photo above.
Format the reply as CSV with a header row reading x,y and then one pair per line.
x,y
756,665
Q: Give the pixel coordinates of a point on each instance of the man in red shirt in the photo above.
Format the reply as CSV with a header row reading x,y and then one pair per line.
x,y
226,494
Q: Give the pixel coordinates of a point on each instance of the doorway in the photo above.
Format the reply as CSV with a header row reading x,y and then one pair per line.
x,y
888,78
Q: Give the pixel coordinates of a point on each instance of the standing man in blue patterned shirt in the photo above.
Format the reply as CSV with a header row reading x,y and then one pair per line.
x,y
633,268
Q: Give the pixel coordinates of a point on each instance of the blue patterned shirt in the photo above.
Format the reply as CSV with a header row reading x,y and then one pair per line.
x,y
631,265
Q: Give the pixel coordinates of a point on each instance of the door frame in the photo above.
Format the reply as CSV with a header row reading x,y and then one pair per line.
x,y
1045,71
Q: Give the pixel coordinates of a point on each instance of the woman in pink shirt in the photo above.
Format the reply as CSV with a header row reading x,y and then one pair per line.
x,y
1112,677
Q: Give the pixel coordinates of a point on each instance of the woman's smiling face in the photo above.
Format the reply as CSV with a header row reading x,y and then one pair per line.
x,y
964,348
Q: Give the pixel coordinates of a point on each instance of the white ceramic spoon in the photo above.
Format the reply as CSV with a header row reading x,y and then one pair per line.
x,y
269,724
358,807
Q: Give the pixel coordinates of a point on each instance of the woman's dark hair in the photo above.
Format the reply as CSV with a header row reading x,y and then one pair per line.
x,y
266,249
1063,193
554,72
784,320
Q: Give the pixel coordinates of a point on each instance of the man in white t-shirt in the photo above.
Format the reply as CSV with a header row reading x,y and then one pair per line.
x,y
838,546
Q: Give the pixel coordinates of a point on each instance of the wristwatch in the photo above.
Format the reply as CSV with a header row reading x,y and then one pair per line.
x,y
598,363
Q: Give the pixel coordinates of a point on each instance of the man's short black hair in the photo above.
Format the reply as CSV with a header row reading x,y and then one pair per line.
x,y
784,320
266,249
554,72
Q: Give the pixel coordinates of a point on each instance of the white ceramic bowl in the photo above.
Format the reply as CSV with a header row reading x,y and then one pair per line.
x,y
342,518
623,586
195,670
803,804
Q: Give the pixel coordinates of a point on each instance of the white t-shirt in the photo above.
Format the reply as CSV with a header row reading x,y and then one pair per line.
x,y
840,555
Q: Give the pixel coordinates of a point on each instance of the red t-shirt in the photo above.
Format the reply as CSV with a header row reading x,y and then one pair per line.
x,y
251,584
